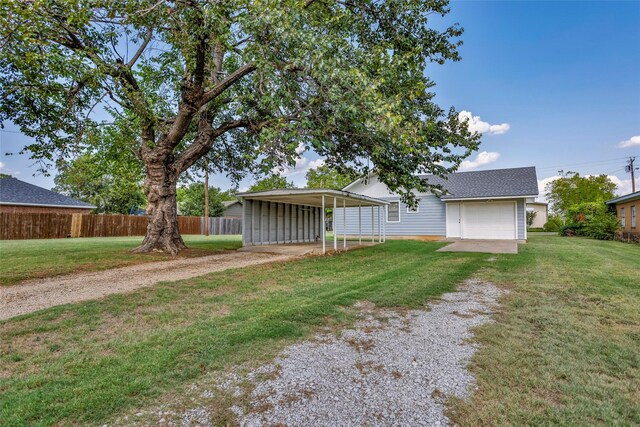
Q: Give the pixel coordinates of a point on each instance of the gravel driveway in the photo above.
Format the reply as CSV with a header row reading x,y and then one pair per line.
x,y
43,293
393,368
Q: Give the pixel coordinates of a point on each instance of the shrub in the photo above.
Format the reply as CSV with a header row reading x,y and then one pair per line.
x,y
571,230
601,226
553,224
590,219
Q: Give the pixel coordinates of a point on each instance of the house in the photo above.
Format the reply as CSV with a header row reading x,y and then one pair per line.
x,y
542,213
487,204
627,212
232,208
20,197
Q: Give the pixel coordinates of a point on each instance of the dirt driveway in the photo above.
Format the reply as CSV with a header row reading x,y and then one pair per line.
x,y
34,295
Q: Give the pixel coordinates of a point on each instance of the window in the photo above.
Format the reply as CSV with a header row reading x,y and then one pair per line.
x,y
393,213
415,209
622,218
633,216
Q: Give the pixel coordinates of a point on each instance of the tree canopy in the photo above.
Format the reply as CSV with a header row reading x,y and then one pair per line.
x,y
191,200
108,178
271,182
242,82
327,177
573,189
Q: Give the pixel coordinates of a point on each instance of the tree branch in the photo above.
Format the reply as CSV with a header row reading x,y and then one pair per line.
x,y
141,49
226,83
204,141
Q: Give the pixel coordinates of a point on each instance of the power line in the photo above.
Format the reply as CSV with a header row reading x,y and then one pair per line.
x,y
585,163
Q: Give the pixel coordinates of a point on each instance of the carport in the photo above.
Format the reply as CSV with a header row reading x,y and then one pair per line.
x,y
297,216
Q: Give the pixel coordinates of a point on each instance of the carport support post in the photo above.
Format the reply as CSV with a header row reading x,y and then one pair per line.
x,y
344,223
384,224
335,233
379,226
373,227
360,223
324,231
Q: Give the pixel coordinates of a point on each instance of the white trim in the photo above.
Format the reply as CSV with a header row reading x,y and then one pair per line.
x,y
515,217
462,199
47,206
399,217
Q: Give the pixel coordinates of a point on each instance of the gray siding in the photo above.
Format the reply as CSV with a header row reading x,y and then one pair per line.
x,y
234,210
428,221
266,223
522,221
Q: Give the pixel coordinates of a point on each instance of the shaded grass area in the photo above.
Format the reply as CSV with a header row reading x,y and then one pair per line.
x,y
565,349
90,362
33,259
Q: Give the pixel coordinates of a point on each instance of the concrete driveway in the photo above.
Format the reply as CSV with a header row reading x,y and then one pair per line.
x,y
487,246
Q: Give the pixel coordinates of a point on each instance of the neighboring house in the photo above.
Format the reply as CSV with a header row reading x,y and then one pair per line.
x,y
627,207
542,213
477,205
232,208
20,197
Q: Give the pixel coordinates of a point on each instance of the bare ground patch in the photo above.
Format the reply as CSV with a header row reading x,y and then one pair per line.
x,y
43,293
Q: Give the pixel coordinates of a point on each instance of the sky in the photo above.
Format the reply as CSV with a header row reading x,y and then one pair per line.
x,y
555,85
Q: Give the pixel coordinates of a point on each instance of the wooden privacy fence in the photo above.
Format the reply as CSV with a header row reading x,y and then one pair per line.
x,y
15,226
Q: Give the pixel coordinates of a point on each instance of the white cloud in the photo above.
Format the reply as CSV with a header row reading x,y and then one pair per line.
x,y
481,159
477,125
624,185
303,164
542,187
2,165
634,141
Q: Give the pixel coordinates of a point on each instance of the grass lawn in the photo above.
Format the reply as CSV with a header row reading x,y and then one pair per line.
x,y
88,362
31,259
563,349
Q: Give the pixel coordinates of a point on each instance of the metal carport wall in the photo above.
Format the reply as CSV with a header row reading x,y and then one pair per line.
x,y
298,216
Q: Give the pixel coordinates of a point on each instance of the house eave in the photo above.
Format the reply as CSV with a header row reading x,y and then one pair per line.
x,y
461,199
46,205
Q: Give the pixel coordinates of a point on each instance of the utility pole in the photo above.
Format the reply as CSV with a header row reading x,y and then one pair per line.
x,y
206,197
631,168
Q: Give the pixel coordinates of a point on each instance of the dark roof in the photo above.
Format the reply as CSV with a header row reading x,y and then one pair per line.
x,y
625,198
16,192
516,182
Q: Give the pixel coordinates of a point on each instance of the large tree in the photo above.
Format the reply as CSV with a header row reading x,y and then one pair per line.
x,y
572,189
243,82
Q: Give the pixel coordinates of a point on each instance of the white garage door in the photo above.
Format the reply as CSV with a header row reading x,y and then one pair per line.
x,y
495,220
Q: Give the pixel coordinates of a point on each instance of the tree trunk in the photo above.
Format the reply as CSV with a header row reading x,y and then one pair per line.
x,y
162,232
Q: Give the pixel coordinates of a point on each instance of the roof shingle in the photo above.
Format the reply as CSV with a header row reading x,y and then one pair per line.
x,y
515,182
14,191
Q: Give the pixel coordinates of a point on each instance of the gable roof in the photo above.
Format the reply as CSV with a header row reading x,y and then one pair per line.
x,y
625,198
229,203
16,192
513,182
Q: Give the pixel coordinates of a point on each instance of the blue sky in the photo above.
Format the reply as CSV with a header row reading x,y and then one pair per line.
x,y
555,85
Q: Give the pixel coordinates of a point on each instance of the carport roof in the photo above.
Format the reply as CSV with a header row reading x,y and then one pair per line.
x,y
313,197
